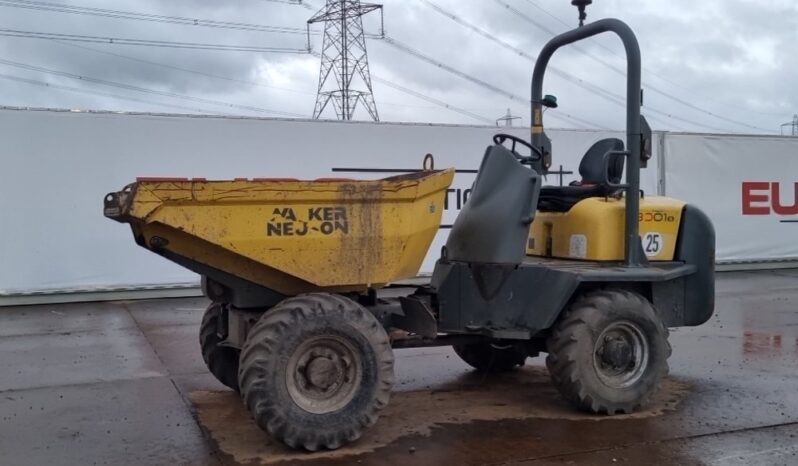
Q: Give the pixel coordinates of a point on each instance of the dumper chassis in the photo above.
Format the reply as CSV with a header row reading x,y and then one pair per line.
x,y
303,321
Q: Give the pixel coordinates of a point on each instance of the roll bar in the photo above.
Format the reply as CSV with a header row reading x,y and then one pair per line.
x,y
633,256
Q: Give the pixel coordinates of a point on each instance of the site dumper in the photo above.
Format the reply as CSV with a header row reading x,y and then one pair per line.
x,y
592,274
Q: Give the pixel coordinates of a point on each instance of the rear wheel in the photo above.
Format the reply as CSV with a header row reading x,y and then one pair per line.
x,y
490,356
608,352
316,370
222,361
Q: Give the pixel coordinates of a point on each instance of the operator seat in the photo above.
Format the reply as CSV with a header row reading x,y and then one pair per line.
x,y
594,181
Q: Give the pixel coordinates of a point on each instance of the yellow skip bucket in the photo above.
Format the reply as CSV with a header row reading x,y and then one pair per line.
x,y
290,236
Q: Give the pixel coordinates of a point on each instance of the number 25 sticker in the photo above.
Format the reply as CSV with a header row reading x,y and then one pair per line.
x,y
653,243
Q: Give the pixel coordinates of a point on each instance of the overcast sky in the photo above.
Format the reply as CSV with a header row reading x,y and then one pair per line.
x,y
709,65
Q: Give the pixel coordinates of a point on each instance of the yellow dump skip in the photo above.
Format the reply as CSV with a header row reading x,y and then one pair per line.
x,y
288,235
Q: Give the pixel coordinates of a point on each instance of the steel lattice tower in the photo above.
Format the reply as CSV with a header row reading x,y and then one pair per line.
x,y
344,56
792,125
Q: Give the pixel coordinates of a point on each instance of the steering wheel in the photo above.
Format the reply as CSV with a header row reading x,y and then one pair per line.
x,y
536,154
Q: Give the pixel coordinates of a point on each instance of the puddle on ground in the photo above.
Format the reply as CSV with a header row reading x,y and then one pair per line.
x,y
524,394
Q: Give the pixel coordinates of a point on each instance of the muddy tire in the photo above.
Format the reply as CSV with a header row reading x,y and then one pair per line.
x,y
316,370
608,352
490,357
222,361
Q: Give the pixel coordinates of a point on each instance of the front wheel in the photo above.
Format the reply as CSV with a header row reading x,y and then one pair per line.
x,y
608,352
316,370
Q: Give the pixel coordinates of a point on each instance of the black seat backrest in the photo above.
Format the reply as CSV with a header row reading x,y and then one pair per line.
x,y
493,226
592,166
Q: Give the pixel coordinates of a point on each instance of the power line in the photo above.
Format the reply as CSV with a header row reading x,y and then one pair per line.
x,y
405,90
417,94
520,52
545,11
256,83
656,75
293,2
430,99
527,18
98,93
51,36
395,86
145,90
59,37
603,93
160,18
386,82
422,96
167,19
146,43
411,51
614,98
623,73
119,14
417,54
713,114
184,21
185,70
648,86
666,123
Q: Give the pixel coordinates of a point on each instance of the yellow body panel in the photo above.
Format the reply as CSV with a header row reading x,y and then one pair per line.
x,y
594,230
293,236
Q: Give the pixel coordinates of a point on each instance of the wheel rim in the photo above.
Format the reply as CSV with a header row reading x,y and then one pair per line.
x,y
621,354
323,374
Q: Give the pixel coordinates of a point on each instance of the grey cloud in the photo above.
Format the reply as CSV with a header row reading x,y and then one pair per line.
x,y
703,52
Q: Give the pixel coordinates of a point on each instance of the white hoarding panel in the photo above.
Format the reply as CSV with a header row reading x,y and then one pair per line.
x,y
747,185
57,166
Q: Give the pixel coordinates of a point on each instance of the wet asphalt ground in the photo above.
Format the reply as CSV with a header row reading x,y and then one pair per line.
x,y
123,383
